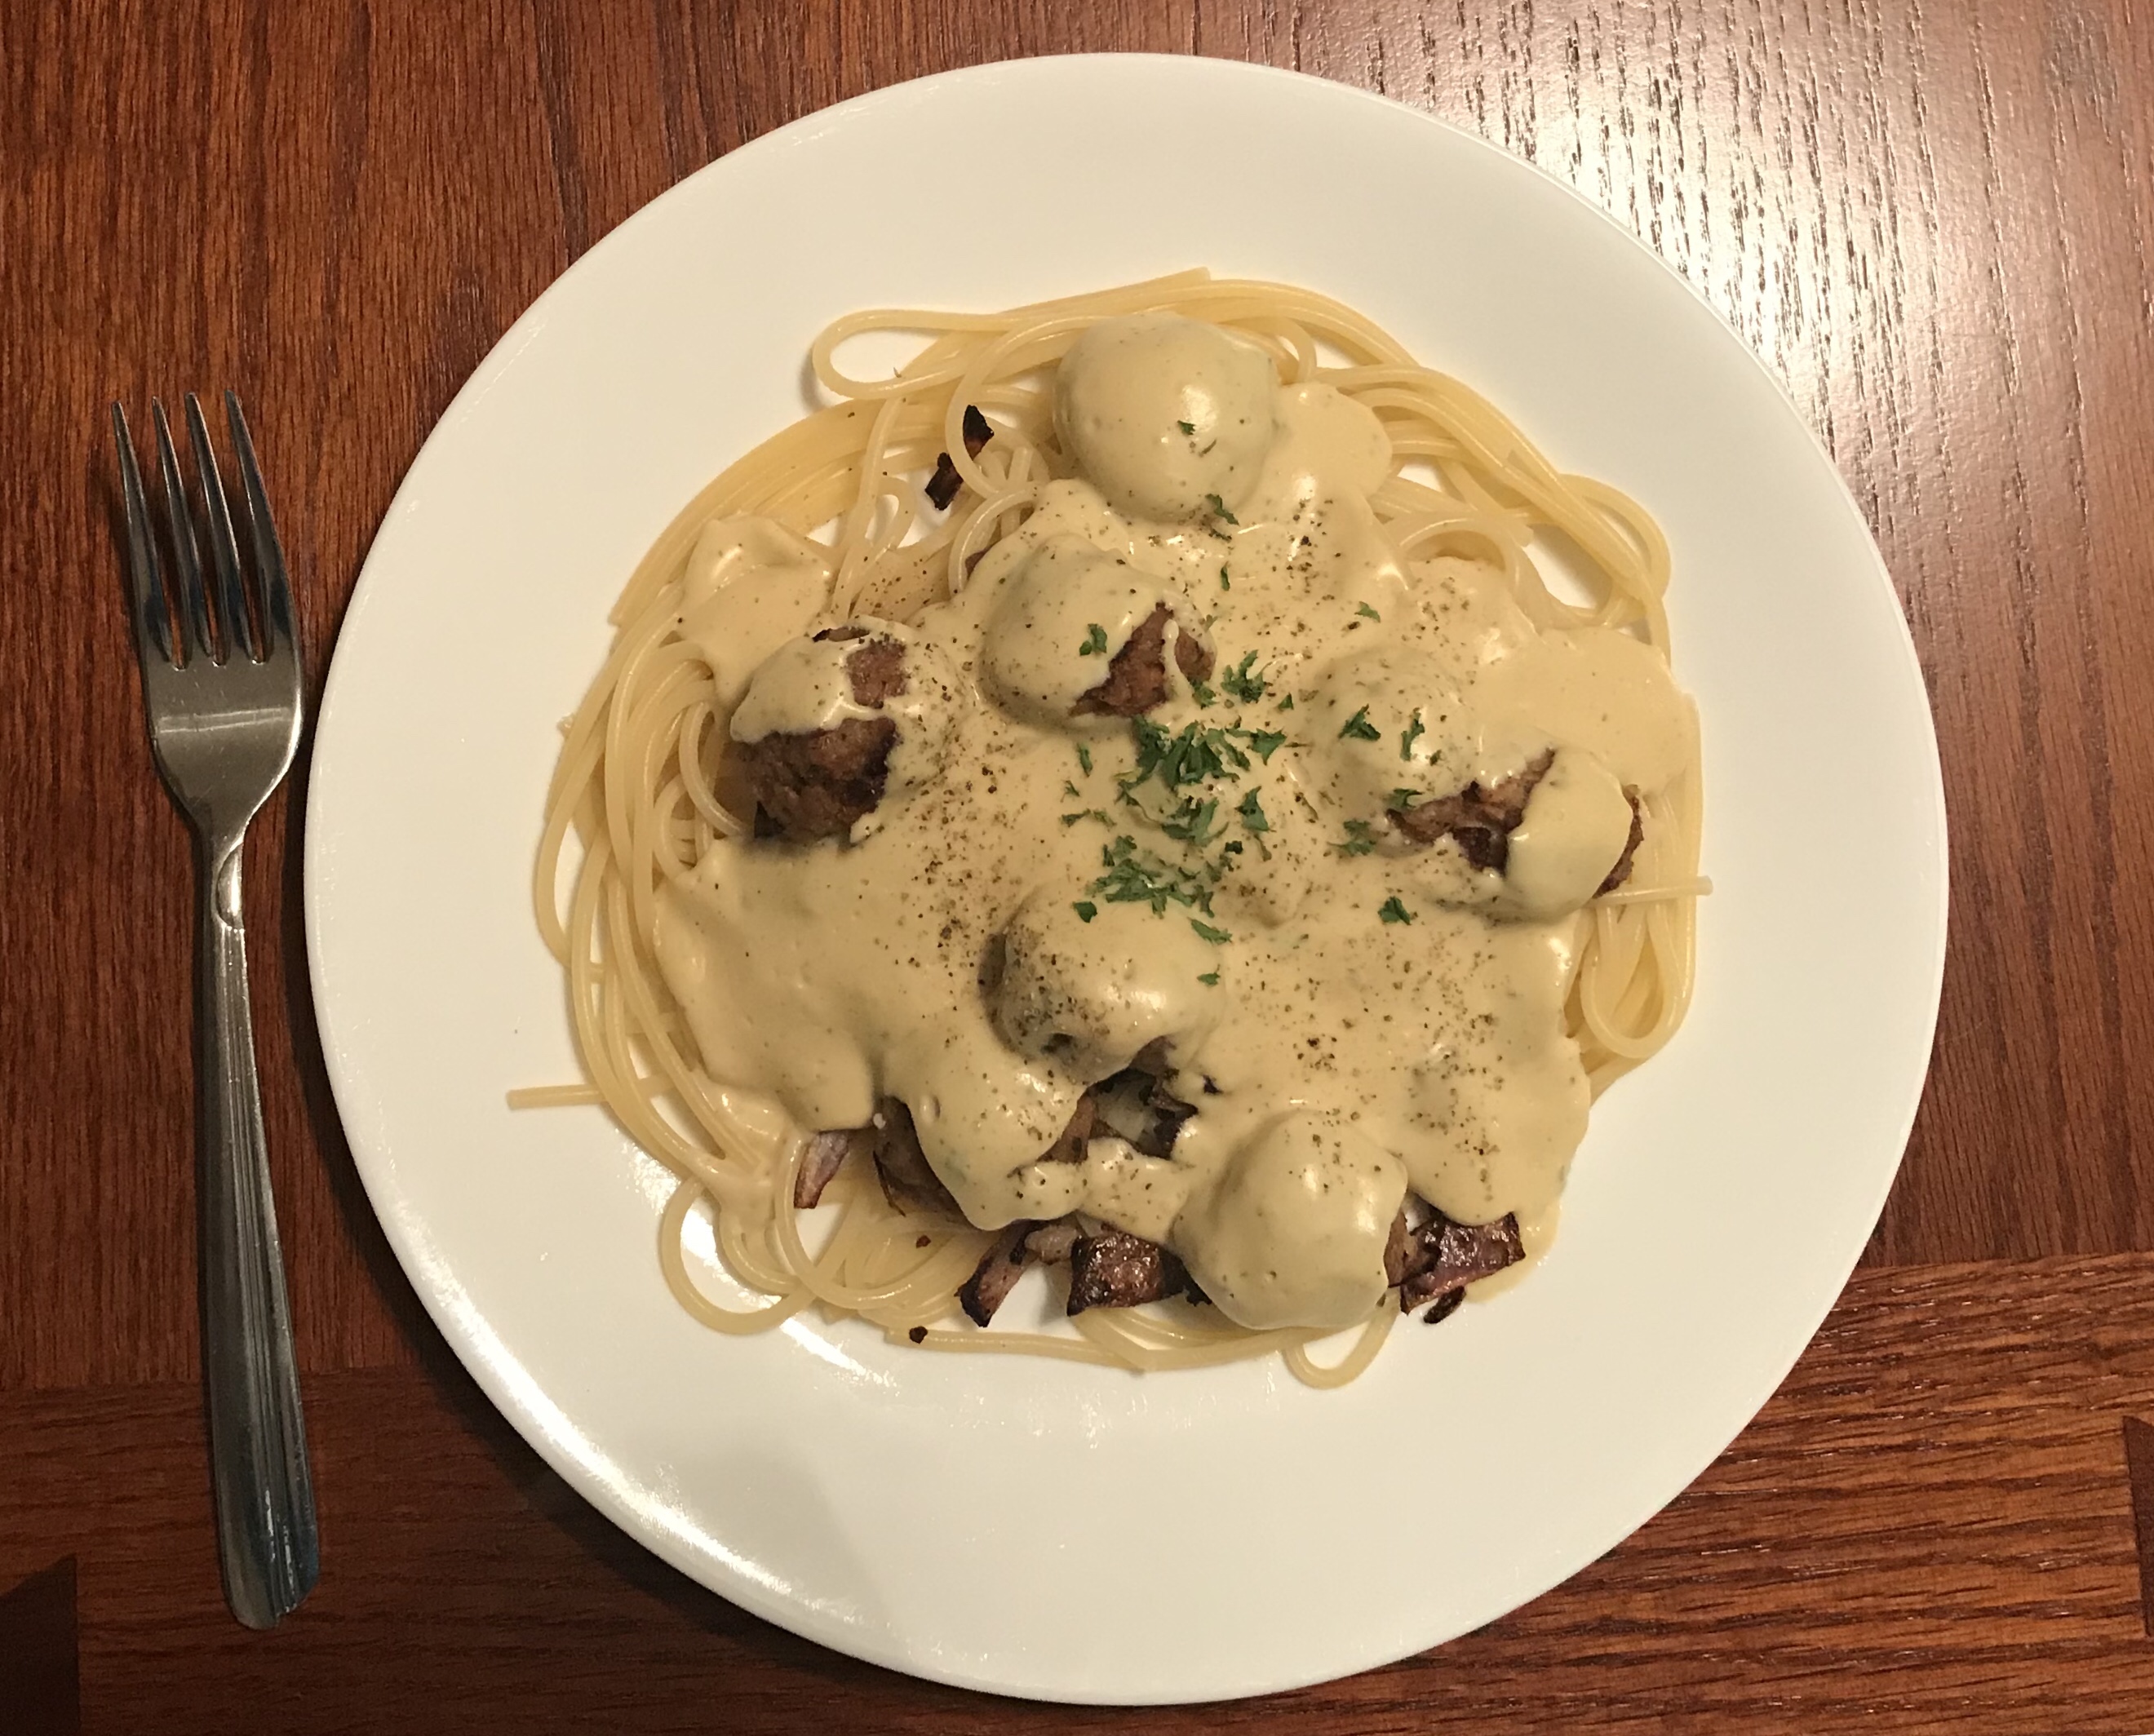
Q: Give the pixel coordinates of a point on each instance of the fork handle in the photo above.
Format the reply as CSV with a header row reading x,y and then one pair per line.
x,y
265,1498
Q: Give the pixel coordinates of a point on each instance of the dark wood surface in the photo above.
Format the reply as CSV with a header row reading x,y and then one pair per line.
x,y
1934,222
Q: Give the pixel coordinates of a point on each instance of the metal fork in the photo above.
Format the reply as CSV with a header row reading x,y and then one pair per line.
x,y
223,700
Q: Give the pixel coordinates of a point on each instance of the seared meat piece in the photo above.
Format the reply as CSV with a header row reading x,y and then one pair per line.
x,y
1136,677
1444,1307
1621,872
1024,1244
998,1273
909,1181
1135,1104
1438,1259
1156,1058
1068,1146
1482,821
1109,1269
815,784
1114,1269
825,1156
942,487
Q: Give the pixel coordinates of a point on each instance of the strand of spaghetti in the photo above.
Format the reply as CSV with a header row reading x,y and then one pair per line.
x,y
672,1223
1006,1344
1697,886
1374,1330
1130,299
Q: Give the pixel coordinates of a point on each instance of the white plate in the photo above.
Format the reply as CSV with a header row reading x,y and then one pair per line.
x,y
974,1520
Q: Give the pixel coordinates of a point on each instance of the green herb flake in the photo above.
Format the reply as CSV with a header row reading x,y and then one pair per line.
x,y
1251,812
1365,612
1287,703
1205,932
1085,758
1402,800
1361,839
1134,876
1085,909
1202,694
1241,683
1210,979
1391,910
1219,509
1071,790
1225,582
1096,642
1408,737
1264,742
1359,728
1186,427
1193,821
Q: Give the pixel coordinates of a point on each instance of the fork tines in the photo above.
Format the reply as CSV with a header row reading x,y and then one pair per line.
x,y
213,623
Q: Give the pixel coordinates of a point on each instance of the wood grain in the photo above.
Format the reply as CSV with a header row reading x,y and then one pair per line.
x,y
1906,1552
1933,219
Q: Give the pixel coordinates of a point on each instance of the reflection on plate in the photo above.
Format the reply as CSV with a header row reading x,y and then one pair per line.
x,y
970,1519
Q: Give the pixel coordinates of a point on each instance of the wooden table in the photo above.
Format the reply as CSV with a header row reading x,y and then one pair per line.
x,y
1933,223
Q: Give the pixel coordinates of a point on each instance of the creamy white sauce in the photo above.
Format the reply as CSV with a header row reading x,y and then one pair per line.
x,y
944,955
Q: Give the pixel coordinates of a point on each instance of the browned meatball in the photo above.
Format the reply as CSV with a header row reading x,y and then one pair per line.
x,y
816,783
1481,819
1621,872
1136,677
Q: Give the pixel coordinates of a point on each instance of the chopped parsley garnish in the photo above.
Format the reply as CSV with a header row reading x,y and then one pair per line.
x,y
1085,758
1205,932
1408,737
1391,910
1252,811
1219,509
1085,909
1287,703
1240,682
1193,821
1210,979
1096,641
1402,800
1263,743
1202,694
1225,582
1071,819
1361,839
1197,752
1186,427
1137,876
1071,790
1359,728
1365,612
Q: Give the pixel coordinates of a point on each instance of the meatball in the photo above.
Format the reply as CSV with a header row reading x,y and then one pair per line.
x,y
1170,418
1094,992
832,724
1560,831
1136,674
1294,1232
1079,639
1479,821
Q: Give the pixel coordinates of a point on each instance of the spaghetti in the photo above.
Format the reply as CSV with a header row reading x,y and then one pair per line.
x,y
645,788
